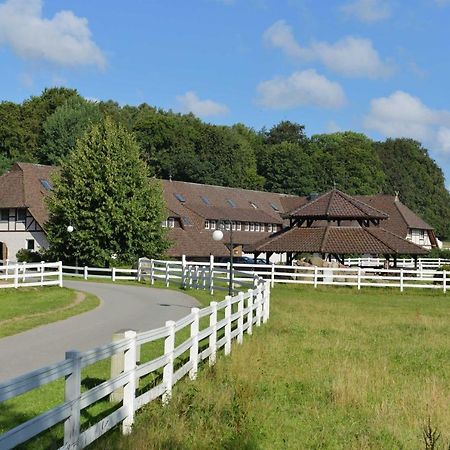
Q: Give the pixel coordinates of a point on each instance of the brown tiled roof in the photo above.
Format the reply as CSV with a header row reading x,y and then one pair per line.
x,y
338,240
21,188
336,205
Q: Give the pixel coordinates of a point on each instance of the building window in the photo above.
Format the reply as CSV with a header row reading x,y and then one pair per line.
x,y
206,224
263,228
164,223
227,226
231,203
233,226
30,244
171,222
257,227
212,224
252,226
179,197
254,205
269,227
274,207
238,226
21,214
4,215
205,199
247,226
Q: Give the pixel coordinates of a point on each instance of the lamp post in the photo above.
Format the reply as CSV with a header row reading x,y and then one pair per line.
x,y
70,230
218,236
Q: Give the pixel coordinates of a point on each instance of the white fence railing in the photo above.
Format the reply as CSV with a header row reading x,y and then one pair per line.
x,y
195,274
426,263
31,274
209,329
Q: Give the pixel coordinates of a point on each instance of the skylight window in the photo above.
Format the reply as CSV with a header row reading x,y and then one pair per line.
x,y
205,200
254,205
47,185
231,203
186,220
180,197
274,207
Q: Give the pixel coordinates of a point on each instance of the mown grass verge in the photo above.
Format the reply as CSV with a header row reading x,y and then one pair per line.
x,y
333,368
26,308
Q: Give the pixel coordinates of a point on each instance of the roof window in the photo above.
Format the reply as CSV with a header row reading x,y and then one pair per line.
x,y
179,197
205,200
186,221
47,185
254,205
274,207
231,203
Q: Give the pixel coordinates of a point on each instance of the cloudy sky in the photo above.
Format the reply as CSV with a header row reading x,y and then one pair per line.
x,y
377,66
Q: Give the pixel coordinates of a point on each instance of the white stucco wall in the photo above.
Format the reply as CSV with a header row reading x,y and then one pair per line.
x,y
16,240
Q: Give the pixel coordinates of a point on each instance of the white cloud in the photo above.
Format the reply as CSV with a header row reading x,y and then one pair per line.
x,y
189,102
367,10
403,115
64,39
350,56
301,88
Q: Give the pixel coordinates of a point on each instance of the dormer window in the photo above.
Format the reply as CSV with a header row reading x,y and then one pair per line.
x,y
171,222
205,200
179,197
274,207
231,203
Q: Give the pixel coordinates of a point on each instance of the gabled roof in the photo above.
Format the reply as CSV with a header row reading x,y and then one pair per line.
x,y
338,240
335,205
23,187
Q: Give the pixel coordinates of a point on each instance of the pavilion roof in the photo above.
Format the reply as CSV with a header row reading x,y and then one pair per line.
x,y
337,240
335,205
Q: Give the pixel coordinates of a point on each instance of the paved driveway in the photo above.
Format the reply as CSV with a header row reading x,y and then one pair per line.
x,y
123,307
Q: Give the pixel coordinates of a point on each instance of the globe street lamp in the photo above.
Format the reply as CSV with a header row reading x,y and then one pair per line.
x,y
70,230
218,236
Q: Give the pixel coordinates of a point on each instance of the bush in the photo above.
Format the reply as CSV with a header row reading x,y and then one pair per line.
x,y
443,253
24,255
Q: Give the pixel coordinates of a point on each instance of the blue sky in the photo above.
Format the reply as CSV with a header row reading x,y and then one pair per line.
x,y
376,66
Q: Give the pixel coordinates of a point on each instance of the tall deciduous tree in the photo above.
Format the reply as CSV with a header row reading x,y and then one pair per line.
x,y
104,192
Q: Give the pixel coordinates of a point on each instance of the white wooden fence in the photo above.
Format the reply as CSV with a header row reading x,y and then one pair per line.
x,y
227,320
31,274
425,263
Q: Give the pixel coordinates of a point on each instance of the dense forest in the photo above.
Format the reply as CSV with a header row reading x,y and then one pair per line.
x,y
45,129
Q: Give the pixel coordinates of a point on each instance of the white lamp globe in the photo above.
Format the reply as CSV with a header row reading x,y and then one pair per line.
x,y
70,228
217,235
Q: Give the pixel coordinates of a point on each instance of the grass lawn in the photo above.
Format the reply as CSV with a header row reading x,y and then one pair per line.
x,y
333,368
26,308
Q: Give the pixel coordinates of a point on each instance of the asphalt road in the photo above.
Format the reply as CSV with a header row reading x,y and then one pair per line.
x,y
122,308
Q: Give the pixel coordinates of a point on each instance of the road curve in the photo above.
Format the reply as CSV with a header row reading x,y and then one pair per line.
x,y
123,307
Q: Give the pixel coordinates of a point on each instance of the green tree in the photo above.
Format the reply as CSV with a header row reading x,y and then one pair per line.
x,y
104,192
286,131
418,179
348,160
62,129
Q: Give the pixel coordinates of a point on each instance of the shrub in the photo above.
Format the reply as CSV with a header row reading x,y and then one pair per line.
x,y
29,256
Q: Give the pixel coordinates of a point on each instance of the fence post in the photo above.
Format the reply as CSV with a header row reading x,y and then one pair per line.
x,y
129,390
60,274
113,274
272,277
152,272
250,312
42,268
266,303
183,271
85,272
401,280
315,276
195,277
258,306
167,275
240,336
213,335
228,325
359,278
72,391
421,269
211,274
169,345
24,269
193,353
444,280
16,276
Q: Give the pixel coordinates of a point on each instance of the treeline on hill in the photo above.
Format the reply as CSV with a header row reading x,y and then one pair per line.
x,y
45,128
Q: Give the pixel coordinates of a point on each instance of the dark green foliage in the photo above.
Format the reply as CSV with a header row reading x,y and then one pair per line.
x,y
62,129
286,131
29,256
105,194
419,180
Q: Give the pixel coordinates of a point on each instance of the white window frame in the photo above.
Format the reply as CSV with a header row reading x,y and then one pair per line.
x,y
212,224
233,226
171,222
238,226
247,226
206,224
227,226
252,226
269,227
257,227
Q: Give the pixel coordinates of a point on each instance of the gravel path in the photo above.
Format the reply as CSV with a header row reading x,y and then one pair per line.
x,y
122,307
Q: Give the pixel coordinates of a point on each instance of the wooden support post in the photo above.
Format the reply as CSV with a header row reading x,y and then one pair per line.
x,y
85,272
401,280
41,270
193,353
152,272
211,274
444,280
228,325
113,274
72,392
258,306
266,302
240,336
213,335
250,312
183,271
169,345
359,278
129,390
60,274
167,275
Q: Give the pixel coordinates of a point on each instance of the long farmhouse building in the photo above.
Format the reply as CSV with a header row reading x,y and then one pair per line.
x,y
264,223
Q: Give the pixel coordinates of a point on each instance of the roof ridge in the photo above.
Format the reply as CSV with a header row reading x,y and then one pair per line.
x,y
325,237
366,229
306,204
355,201
397,236
329,201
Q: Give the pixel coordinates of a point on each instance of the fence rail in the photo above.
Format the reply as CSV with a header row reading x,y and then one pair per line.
x,y
227,321
426,263
31,274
